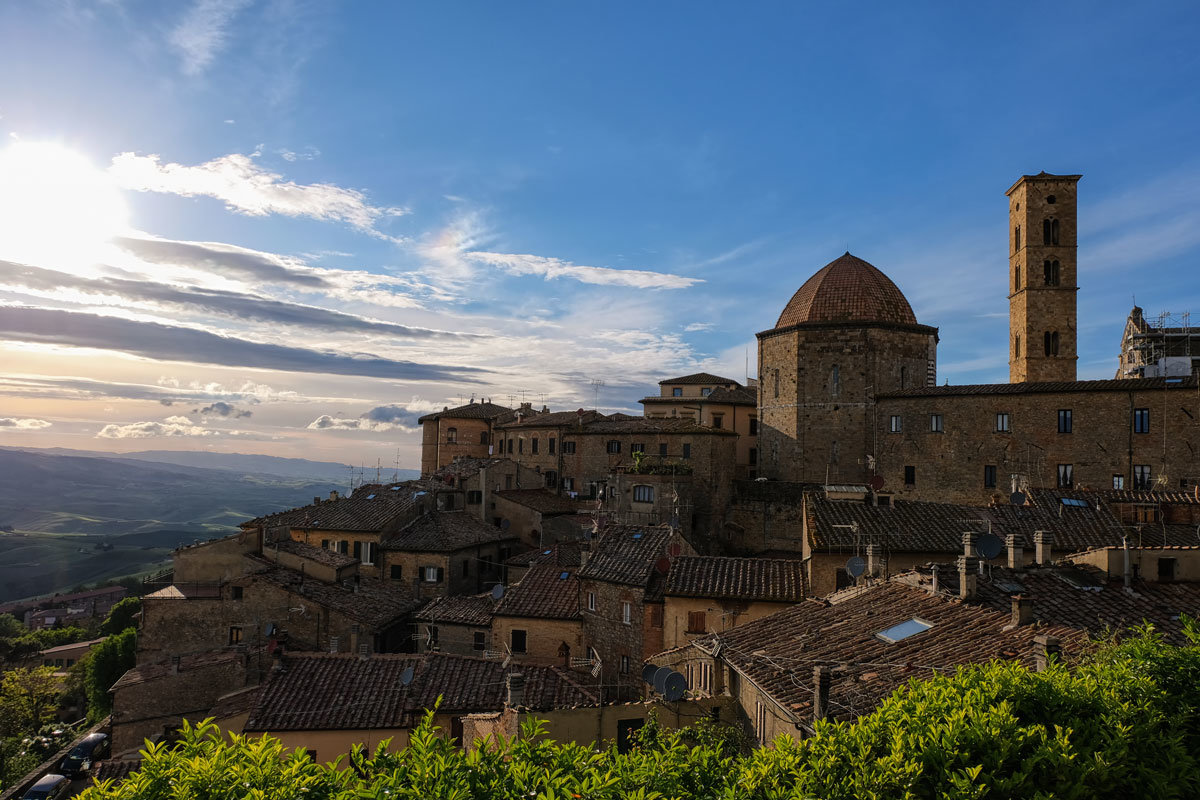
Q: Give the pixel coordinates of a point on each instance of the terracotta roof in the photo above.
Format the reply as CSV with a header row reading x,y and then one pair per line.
x,y
469,411
563,554
737,578
475,609
921,527
1167,497
626,554
374,602
545,591
321,691
741,396
779,652
373,508
234,703
445,532
320,555
847,289
551,419
701,378
62,648
540,500
144,673
1052,387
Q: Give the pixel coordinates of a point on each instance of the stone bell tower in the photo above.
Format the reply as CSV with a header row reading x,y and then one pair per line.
x,y
1042,278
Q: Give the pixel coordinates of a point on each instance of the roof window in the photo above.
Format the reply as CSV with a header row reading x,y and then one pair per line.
x,y
562,576
370,497
898,633
1070,501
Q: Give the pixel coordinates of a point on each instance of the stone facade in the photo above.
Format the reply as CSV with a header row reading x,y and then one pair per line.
x,y
550,642
462,432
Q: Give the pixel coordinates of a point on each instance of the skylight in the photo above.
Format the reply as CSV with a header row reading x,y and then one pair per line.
x,y
370,497
898,633
562,576
1070,501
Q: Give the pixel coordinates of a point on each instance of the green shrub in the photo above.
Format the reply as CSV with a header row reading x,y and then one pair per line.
x,y
106,663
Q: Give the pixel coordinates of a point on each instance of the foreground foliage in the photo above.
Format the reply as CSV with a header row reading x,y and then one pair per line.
x,y
1124,723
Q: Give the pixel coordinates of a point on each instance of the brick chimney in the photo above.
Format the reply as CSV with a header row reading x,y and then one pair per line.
x,y
822,679
1016,551
874,560
1022,610
1043,544
514,682
333,495
968,540
968,567
1045,647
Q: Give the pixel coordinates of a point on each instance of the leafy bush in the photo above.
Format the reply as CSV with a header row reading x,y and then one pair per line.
x,y
1123,723
107,662
121,616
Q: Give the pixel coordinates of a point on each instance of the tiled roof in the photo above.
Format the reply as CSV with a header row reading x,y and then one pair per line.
x,y
445,532
779,652
737,578
377,603
700,378
563,554
462,468
235,703
475,609
620,416
1076,595
847,289
469,411
1055,387
320,691
626,554
920,527
143,673
649,425
551,419
320,555
540,500
370,508
545,591
741,396
1169,497
62,648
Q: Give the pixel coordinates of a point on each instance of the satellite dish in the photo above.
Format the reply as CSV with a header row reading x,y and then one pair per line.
x,y
988,546
662,566
406,677
877,482
498,591
648,671
855,566
270,631
1017,498
505,524
676,686
660,678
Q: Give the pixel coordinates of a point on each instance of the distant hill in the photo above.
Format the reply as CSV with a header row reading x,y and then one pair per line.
x,y
67,519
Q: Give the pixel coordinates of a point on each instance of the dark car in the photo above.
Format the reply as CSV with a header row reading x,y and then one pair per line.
x,y
50,787
91,749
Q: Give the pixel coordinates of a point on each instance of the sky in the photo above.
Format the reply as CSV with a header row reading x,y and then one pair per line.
x,y
292,227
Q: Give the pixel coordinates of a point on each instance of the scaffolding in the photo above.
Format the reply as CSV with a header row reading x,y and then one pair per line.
x,y
1164,345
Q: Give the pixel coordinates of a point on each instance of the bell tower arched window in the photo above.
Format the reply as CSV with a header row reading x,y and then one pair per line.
x,y
1050,232
1051,343
1017,238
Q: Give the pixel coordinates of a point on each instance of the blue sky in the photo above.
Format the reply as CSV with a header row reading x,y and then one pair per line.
x,y
303,224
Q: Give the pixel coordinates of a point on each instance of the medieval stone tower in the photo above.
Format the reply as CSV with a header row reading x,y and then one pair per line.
x,y
1042,278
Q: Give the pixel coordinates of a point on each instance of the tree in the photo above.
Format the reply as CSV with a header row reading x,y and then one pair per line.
x,y
107,662
121,616
28,700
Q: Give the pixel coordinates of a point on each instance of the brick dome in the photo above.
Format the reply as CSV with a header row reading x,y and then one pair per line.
x,y
847,289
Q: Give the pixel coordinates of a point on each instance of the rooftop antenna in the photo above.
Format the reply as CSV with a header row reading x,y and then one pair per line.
x,y
396,467
596,384
377,467
350,468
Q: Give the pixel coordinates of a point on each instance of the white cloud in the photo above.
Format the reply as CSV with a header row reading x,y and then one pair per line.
x,y
23,424
203,32
169,427
698,326
380,418
247,188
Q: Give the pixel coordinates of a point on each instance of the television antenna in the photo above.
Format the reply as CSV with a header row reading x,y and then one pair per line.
x,y
596,384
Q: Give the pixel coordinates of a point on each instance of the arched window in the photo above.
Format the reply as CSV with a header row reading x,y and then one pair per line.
x,y
451,435
1050,231
1051,339
1017,279
1017,346
902,376
835,382
1046,339
1046,231
1054,273
483,437
1017,238
1054,232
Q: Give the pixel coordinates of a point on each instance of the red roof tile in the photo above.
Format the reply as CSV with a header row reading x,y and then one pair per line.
x,y
737,578
847,289
546,591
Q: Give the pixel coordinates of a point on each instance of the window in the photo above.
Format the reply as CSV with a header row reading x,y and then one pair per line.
x,y
568,484
677,392
365,552
613,446
760,722
1051,199
1066,476
397,572
898,633
753,456
1017,279
625,664
705,392
1050,231
591,605
466,568
1141,420
235,634
656,615
568,448
637,448
433,574
989,476
910,476
1050,273
895,424
550,447
510,446
1166,569
508,479
483,437
451,435
1017,346
696,622
662,450
835,382
533,446
643,494
1050,342
936,424
1118,481
903,376
238,592
754,426
776,377
518,641
1003,423
718,420
1141,476
551,478
520,445
1017,238
474,497
687,451
324,544
478,640
627,612
1064,420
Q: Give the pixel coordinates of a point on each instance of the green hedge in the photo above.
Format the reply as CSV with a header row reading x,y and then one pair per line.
x,y
1124,723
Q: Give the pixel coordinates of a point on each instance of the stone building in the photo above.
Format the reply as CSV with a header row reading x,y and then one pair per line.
x,y
539,619
447,552
1166,346
456,624
462,432
717,402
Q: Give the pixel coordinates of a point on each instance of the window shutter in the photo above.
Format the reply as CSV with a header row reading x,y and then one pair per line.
x,y
358,551
441,574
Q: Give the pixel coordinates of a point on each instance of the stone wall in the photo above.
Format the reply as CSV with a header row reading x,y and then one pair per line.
x,y
719,615
543,638
216,561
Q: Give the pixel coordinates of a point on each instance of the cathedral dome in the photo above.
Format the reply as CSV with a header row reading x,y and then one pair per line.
x,y
847,289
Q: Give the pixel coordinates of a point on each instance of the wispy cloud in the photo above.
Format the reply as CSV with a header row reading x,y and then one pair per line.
x,y
23,424
171,343
204,32
247,188
223,259
171,426
380,418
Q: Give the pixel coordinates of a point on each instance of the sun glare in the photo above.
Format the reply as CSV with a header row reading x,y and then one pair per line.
x,y
57,210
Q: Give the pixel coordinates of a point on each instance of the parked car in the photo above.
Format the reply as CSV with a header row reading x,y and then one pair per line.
x,y
49,787
93,747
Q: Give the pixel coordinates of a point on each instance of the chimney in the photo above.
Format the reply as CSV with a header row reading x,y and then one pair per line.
x,y
1043,543
175,665
515,683
316,501
822,678
874,560
968,540
933,586
1022,610
1016,551
333,495
1127,571
277,659
1045,647
968,566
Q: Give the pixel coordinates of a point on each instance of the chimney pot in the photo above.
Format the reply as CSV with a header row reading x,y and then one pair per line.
x,y
874,560
316,501
822,680
968,540
968,566
1044,648
1016,551
333,495
1043,545
515,683
933,586
1022,610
